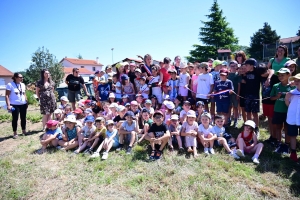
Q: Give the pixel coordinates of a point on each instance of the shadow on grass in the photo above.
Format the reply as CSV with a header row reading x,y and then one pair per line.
x,y
11,136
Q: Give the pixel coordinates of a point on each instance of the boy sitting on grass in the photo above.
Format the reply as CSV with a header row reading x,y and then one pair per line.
x,y
51,137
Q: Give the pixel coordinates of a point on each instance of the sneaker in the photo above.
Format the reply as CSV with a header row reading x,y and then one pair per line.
x,y
206,151
104,156
255,160
75,152
152,155
120,148
181,150
293,156
129,150
282,149
89,152
95,155
240,153
234,155
211,150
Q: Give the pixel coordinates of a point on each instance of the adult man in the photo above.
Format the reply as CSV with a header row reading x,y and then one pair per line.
x,y
74,81
297,60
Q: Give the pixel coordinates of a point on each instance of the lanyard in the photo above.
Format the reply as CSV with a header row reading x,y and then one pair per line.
x,y
20,90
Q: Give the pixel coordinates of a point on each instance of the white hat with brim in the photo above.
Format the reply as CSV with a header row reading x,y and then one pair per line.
x,y
174,117
169,104
71,119
64,98
250,123
297,76
191,113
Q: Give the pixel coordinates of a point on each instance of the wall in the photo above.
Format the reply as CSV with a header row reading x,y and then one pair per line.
x,y
66,63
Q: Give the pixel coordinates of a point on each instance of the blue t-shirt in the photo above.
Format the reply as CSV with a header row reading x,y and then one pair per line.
x,y
57,131
109,134
220,86
104,91
173,84
215,75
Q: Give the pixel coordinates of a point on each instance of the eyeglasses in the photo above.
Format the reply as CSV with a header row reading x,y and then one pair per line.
x,y
158,117
77,72
174,120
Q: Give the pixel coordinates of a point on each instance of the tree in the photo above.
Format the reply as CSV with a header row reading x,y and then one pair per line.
x,y
215,34
26,78
79,56
262,37
42,59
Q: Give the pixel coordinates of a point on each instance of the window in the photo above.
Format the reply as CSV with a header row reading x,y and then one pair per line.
x,y
82,66
94,68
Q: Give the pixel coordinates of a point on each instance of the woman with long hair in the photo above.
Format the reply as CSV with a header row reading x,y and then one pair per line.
x,y
16,102
240,57
45,92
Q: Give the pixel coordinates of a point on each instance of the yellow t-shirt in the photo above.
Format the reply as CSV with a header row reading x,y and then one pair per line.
x,y
102,131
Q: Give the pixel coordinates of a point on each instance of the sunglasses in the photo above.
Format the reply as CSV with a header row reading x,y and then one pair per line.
x,y
158,117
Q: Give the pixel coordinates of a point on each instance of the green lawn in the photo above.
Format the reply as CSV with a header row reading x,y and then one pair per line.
x,y
63,175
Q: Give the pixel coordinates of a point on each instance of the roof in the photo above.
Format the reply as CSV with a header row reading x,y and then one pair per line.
x,y
132,59
289,39
224,51
69,70
81,61
5,72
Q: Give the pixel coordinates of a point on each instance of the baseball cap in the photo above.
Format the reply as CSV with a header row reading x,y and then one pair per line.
x,y
172,70
199,103
206,114
77,111
89,118
100,119
233,62
250,123
120,108
224,63
186,102
87,101
158,112
108,122
143,77
127,104
224,72
216,63
134,103
111,95
251,61
167,97
175,117
129,114
124,77
191,113
183,65
145,110
58,111
138,70
51,123
124,96
64,98
283,71
297,76
148,101
113,105
289,63
125,63
88,110
93,103
153,96
203,65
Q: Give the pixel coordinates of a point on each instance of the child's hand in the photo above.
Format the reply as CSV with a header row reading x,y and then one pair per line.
x,y
278,95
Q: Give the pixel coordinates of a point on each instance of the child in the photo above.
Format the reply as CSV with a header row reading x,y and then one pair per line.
x,y
63,102
107,112
200,110
186,108
217,65
194,81
154,102
155,84
128,131
205,133
67,111
117,88
278,93
223,100
184,79
125,99
292,100
70,134
189,130
111,139
291,65
112,98
224,139
146,123
158,134
138,74
144,89
95,108
174,129
127,87
85,136
148,107
247,142
205,85
173,84
58,115
98,135
103,90
139,99
51,137
178,105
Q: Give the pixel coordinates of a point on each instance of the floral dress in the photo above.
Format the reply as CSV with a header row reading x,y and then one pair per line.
x,y
47,97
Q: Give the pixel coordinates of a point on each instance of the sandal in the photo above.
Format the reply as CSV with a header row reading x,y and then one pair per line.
x,y
40,151
190,150
158,154
152,155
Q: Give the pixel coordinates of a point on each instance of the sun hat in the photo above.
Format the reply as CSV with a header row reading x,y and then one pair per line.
x,y
120,108
88,110
58,111
167,97
108,122
172,70
99,119
138,70
250,123
51,123
289,63
297,76
224,72
191,65
70,118
113,105
130,114
169,105
89,118
77,111
124,96
134,103
111,95
206,114
124,63
251,61
64,98
183,65
283,71
148,101
216,63
174,117
191,113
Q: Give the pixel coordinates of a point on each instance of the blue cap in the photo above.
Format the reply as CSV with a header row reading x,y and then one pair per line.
x,y
89,118
124,77
130,114
251,61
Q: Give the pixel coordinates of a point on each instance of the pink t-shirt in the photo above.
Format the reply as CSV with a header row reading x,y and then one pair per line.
x,y
195,82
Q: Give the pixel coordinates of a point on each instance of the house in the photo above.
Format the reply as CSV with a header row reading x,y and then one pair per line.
x,y
137,62
292,44
5,78
91,65
224,54
84,73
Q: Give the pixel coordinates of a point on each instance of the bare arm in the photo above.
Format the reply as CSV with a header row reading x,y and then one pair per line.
x,y
7,93
287,98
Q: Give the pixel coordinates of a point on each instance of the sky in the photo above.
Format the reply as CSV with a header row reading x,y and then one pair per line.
x,y
92,28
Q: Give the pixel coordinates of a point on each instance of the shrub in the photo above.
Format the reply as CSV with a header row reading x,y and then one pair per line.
x,y
34,118
5,117
30,98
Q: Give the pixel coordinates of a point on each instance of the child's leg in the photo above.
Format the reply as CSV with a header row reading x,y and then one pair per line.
x,y
105,142
95,142
170,142
121,139
82,147
178,137
257,149
109,145
54,142
195,150
163,143
241,144
151,135
100,147
72,145
224,143
211,142
132,138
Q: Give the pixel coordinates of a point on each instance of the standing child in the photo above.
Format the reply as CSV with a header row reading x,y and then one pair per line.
x,y
127,87
117,88
184,79
189,130
144,89
205,133
103,90
155,84
292,100
194,82
138,74
247,142
173,84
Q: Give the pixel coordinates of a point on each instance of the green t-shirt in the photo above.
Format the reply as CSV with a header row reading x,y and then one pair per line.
x,y
297,60
277,66
236,79
279,103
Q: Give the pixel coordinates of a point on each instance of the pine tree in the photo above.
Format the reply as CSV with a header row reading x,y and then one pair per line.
x,y
215,34
262,37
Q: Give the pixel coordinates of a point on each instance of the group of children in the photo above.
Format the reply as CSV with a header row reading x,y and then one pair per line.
x,y
131,111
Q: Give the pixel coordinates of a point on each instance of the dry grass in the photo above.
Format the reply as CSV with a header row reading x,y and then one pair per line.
x,y
60,175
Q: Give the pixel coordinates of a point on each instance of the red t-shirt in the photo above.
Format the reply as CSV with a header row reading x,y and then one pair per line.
x,y
166,75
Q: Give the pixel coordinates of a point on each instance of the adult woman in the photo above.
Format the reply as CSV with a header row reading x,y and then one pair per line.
x,y
164,75
146,67
240,57
280,58
16,102
120,70
45,92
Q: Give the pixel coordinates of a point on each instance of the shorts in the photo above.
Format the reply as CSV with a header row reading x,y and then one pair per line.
x,y
205,101
252,103
115,143
127,138
217,143
190,141
74,95
293,130
268,110
242,102
183,91
233,101
223,107
279,118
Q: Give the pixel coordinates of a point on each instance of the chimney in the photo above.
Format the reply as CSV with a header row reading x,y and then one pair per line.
x,y
97,58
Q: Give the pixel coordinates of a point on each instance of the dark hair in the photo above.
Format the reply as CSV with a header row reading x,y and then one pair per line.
x,y
42,76
219,117
75,69
176,57
240,53
155,67
16,75
285,50
167,60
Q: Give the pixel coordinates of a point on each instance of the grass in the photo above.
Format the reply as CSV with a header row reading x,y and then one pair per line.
x,y
62,175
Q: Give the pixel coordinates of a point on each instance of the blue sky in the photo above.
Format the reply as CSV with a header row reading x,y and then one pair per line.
x,y
161,28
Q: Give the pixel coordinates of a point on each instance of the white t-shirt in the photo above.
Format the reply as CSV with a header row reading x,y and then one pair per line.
x,y
143,89
128,128
118,91
183,79
293,113
205,131
204,83
188,127
183,112
17,93
86,131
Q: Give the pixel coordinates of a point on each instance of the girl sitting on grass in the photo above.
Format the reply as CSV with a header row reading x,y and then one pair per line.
x,y
247,142
70,134
205,133
51,137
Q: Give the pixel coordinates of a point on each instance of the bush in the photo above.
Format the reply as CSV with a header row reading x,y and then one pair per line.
x,y
5,117
34,118
30,98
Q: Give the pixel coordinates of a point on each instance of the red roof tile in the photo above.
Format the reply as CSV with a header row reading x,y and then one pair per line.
x,y
288,40
224,51
69,70
5,72
81,61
